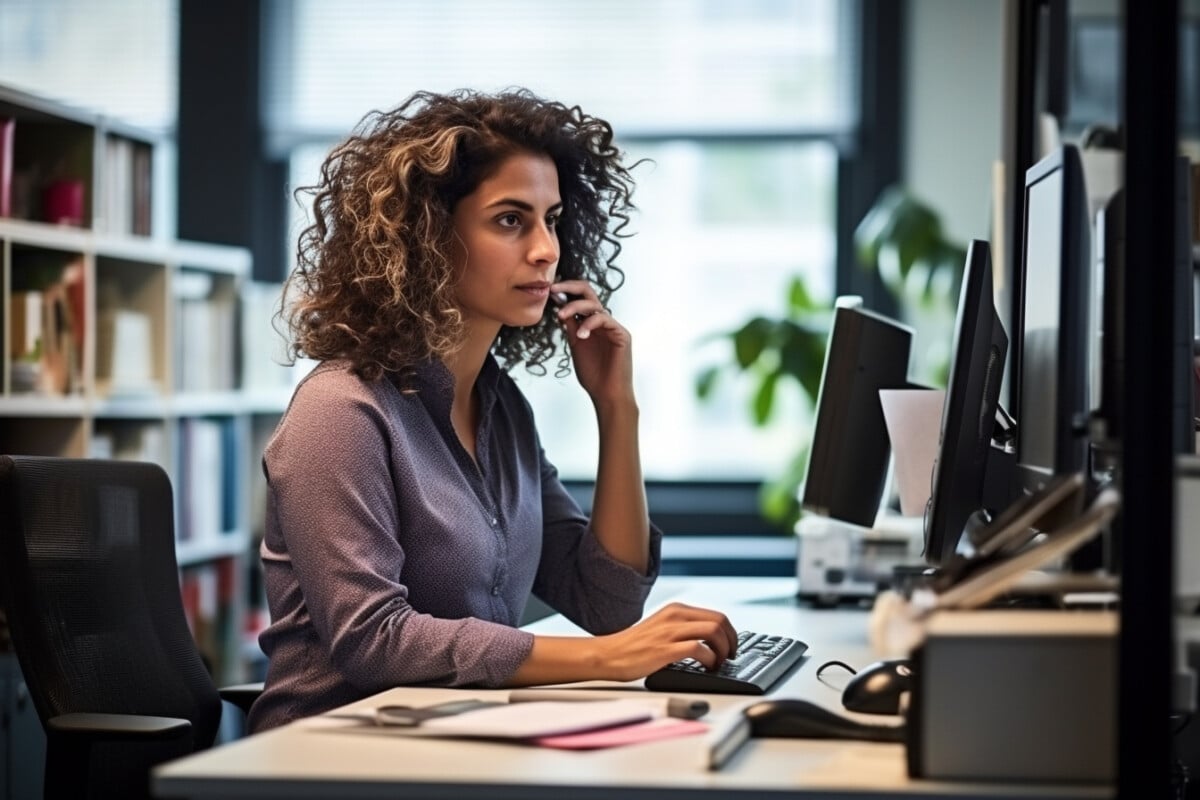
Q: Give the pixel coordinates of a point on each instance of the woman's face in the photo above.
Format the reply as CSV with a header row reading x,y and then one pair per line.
x,y
506,230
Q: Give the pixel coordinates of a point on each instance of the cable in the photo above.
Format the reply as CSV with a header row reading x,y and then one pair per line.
x,y
836,663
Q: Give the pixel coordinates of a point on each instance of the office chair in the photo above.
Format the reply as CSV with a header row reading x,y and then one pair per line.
x,y
89,576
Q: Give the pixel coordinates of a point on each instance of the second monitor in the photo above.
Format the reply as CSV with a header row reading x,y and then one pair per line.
x,y
973,470
847,466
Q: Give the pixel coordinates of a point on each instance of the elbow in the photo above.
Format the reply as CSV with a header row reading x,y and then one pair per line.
x,y
612,619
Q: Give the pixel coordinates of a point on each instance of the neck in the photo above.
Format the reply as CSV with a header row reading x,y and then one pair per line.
x,y
465,365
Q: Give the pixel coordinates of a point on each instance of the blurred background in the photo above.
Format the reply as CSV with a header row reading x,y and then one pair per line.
x,y
771,128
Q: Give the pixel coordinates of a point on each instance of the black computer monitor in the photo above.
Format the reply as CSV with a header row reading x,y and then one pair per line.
x,y
972,473
848,461
1110,251
1109,373
1051,356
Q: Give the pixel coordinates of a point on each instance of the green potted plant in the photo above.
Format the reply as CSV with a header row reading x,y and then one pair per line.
x,y
901,239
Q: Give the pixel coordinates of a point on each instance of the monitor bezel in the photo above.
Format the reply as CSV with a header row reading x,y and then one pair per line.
x,y
960,472
1072,408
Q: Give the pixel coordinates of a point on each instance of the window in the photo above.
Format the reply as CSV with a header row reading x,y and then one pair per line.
x,y
738,106
117,57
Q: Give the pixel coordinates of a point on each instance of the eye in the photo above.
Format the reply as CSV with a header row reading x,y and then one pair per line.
x,y
553,220
509,220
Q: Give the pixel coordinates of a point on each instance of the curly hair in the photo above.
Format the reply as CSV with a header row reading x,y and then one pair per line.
x,y
375,277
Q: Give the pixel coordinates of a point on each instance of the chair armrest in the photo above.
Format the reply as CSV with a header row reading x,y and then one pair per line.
x,y
119,726
241,695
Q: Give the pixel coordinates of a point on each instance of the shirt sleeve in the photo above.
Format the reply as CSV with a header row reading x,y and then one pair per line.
x,y
576,575
336,504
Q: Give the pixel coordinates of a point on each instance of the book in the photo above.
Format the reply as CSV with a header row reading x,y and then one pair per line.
x,y
124,360
56,361
25,326
8,129
25,340
142,184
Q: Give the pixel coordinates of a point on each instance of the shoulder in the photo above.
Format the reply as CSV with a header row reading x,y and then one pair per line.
x,y
334,410
335,382
332,392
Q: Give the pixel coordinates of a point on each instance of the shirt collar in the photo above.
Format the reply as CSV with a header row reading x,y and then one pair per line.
x,y
435,384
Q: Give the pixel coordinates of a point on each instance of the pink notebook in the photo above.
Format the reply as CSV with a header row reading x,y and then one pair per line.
x,y
659,728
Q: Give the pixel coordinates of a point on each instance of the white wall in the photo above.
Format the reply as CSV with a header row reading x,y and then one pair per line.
x,y
954,109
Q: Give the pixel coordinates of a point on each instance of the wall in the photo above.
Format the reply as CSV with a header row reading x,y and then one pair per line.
x,y
954,109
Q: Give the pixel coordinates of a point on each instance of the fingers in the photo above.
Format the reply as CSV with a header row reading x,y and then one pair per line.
x,y
582,318
710,630
575,299
673,633
580,310
575,290
598,320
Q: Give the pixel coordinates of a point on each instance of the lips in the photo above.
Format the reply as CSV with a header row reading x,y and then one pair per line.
x,y
536,289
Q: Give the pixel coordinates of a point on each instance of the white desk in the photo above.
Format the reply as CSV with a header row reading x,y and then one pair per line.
x,y
302,761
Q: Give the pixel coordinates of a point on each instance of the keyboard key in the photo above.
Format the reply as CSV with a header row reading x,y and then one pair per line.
x,y
761,660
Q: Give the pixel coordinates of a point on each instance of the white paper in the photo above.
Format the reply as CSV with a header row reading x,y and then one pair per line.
x,y
527,720
914,424
509,721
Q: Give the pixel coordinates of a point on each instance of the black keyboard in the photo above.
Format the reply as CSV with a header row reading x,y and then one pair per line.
x,y
761,660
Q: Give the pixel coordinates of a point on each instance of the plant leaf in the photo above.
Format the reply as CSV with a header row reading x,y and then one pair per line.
x,y
946,280
764,398
706,380
872,230
802,355
779,498
915,232
750,340
799,300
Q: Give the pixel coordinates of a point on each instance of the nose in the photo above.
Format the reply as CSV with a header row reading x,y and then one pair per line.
x,y
543,245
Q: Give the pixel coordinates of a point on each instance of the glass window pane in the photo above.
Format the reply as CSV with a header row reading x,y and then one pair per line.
x,y
722,229
735,200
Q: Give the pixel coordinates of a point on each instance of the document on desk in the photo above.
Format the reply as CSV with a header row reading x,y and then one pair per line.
x,y
651,730
524,721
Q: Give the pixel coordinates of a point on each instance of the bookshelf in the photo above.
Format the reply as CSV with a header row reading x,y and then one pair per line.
x,y
122,342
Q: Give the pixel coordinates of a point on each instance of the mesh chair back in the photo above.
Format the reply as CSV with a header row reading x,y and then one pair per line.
x,y
87,552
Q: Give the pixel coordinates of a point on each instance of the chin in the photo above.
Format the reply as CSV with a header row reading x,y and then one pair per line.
x,y
525,319
524,322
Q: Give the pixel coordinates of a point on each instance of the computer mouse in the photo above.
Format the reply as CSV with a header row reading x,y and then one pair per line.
x,y
799,719
877,688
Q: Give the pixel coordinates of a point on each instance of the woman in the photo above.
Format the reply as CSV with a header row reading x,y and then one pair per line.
x,y
411,509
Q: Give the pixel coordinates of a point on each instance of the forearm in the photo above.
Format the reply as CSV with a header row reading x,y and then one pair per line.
x,y
620,520
674,632
560,659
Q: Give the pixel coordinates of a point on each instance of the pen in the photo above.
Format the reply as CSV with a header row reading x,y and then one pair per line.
x,y
680,707
725,738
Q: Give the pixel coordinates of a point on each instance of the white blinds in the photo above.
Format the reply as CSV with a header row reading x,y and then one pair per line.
x,y
648,66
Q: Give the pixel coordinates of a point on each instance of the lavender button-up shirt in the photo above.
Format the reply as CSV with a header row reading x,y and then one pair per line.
x,y
391,557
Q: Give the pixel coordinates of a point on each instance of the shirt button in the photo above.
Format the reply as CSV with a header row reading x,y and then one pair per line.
x,y
495,591
495,521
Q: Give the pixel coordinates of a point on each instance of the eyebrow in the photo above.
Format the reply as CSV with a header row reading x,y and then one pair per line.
x,y
521,204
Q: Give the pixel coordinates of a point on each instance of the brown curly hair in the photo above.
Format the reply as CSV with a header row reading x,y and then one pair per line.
x,y
374,281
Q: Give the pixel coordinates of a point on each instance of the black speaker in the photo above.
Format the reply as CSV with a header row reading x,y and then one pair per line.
x,y
847,466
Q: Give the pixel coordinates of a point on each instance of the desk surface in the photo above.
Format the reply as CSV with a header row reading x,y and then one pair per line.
x,y
304,760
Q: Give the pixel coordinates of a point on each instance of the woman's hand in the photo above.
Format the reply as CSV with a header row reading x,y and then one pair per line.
x,y
672,633
601,348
